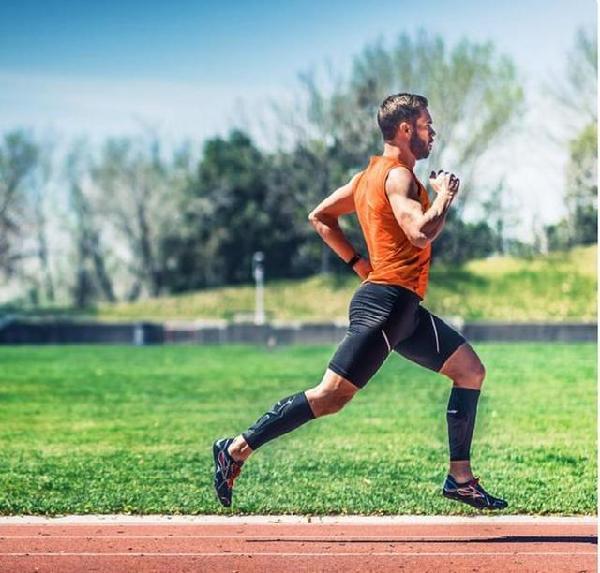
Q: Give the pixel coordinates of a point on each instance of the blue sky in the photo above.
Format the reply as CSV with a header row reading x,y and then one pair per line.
x,y
262,42
105,68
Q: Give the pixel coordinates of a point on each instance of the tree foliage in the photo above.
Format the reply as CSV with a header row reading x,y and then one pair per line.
x,y
144,220
19,155
578,96
474,95
582,187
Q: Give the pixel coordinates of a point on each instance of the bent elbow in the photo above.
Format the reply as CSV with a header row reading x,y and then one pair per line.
x,y
420,240
320,219
421,244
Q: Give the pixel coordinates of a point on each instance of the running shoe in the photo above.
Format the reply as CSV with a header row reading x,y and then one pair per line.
x,y
472,494
226,470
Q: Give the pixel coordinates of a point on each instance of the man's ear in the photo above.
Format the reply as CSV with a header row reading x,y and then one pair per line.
x,y
405,128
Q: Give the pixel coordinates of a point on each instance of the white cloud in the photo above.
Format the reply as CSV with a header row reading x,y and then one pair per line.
x,y
97,107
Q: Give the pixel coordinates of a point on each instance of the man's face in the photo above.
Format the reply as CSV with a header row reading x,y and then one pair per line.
x,y
421,139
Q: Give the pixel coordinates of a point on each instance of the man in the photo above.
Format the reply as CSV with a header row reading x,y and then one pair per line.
x,y
399,224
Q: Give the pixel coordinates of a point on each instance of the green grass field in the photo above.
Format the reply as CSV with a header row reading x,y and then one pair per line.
x,y
557,287
126,429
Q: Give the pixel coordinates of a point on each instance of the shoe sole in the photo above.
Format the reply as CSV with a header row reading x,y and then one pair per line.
x,y
467,501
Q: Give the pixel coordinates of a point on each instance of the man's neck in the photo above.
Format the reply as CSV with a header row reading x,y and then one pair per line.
x,y
403,155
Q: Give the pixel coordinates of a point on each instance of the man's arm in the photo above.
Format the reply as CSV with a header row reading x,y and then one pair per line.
x,y
420,228
324,218
438,229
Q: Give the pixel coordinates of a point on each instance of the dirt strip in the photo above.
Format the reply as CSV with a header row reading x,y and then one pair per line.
x,y
252,547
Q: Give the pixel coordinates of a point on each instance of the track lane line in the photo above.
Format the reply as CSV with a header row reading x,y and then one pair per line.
x,y
116,519
274,538
296,554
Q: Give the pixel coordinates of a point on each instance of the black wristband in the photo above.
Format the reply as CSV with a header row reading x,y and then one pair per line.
x,y
353,260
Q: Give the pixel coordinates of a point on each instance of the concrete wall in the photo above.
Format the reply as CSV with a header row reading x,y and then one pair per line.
x,y
248,333
534,332
77,332
329,333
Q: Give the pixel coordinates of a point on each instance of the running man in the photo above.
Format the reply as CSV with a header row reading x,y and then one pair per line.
x,y
399,224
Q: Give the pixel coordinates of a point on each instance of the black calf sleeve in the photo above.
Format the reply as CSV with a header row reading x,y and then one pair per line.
x,y
285,416
462,409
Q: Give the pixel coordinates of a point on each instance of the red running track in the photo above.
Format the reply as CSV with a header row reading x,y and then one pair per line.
x,y
245,545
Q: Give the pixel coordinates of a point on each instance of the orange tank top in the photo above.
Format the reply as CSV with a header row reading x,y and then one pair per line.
x,y
395,260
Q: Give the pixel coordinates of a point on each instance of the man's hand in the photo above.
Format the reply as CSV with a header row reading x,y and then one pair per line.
x,y
443,182
362,268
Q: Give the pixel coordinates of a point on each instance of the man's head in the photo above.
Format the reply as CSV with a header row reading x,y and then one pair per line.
x,y
404,119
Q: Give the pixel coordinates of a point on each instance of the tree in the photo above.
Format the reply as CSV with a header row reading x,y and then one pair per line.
x,y
582,187
19,157
582,170
136,192
577,91
577,96
474,95
239,203
91,275
292,193
462,241
40,201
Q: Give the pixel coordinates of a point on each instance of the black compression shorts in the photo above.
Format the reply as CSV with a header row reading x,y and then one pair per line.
x,y
385,318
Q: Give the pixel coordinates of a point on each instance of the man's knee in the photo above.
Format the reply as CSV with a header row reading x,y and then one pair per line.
x,y
331,395
478,374
471,377
464,368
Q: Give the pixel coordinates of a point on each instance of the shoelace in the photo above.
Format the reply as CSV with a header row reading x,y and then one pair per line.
x,y
471,483
236,469
471,487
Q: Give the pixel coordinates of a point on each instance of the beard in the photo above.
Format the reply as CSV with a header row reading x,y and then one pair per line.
x,y
418,147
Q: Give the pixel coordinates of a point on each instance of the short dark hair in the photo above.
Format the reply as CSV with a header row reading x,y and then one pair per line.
x,y
398,108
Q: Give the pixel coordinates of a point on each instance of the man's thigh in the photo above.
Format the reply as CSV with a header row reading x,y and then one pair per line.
x,y
432,343
380,315
360,355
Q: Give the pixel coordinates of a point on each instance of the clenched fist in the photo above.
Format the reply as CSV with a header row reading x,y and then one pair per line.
x,y
444,182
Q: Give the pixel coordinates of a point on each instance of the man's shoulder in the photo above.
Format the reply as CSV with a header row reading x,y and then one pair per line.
x,y
401,180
